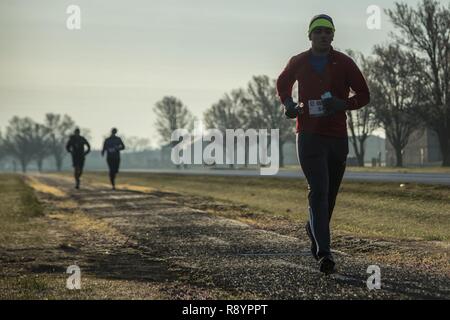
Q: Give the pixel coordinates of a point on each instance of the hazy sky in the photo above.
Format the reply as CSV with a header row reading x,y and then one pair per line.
x,y
129,54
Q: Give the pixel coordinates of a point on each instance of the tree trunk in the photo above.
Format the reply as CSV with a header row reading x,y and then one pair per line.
x,y
359,153
444,143
281,156
399,157
362,151
23,165
39,164
58,161
360,158
358,147
446,157
247,151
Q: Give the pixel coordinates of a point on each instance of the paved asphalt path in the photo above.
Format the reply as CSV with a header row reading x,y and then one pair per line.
x,y
425,178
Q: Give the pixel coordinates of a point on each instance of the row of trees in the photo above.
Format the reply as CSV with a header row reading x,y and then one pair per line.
x,y
27,140
409,81
255,107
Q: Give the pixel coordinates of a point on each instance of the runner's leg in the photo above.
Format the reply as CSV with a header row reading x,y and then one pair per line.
x,y
336,169
77,176
313,160
112,165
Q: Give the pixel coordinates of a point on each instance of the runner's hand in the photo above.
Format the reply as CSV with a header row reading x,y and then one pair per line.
x,y
291,109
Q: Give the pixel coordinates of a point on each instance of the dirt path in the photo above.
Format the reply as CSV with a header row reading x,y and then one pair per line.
x,y
149,238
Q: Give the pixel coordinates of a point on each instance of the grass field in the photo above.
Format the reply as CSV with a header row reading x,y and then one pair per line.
x,y
26,232
381,210
18,206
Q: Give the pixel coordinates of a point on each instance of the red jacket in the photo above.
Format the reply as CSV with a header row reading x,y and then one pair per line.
x,y
341,73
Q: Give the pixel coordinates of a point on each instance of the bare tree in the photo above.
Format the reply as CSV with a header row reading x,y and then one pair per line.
x,y
265,112
136,144
3,153
41,144
19,140
361,123
60,127
2,147
171,114
394,82
227,112
426,31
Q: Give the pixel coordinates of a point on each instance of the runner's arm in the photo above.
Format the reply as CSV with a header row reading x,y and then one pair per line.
x,y
104,148
358,84
286,81
121,145
88,147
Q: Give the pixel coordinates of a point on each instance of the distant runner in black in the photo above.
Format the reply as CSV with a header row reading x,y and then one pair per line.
x,y
75,146
112,146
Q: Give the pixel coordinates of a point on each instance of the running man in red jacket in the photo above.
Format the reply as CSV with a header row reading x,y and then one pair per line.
x,y
325,78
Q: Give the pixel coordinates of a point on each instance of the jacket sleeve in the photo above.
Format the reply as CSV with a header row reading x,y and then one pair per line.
x,y
358,84
88,147
122,145
104,147
286,80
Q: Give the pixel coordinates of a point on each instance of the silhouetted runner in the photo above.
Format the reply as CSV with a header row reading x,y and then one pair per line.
x,y
325,77
112,146
75,146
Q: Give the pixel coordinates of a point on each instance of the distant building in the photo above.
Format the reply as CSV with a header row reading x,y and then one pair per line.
x,y
375,148
422,150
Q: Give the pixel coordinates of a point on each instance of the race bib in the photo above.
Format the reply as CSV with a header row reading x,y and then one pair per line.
x,y
316,108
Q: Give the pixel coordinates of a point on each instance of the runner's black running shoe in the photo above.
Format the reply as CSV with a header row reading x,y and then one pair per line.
x,y
313,242
327,265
